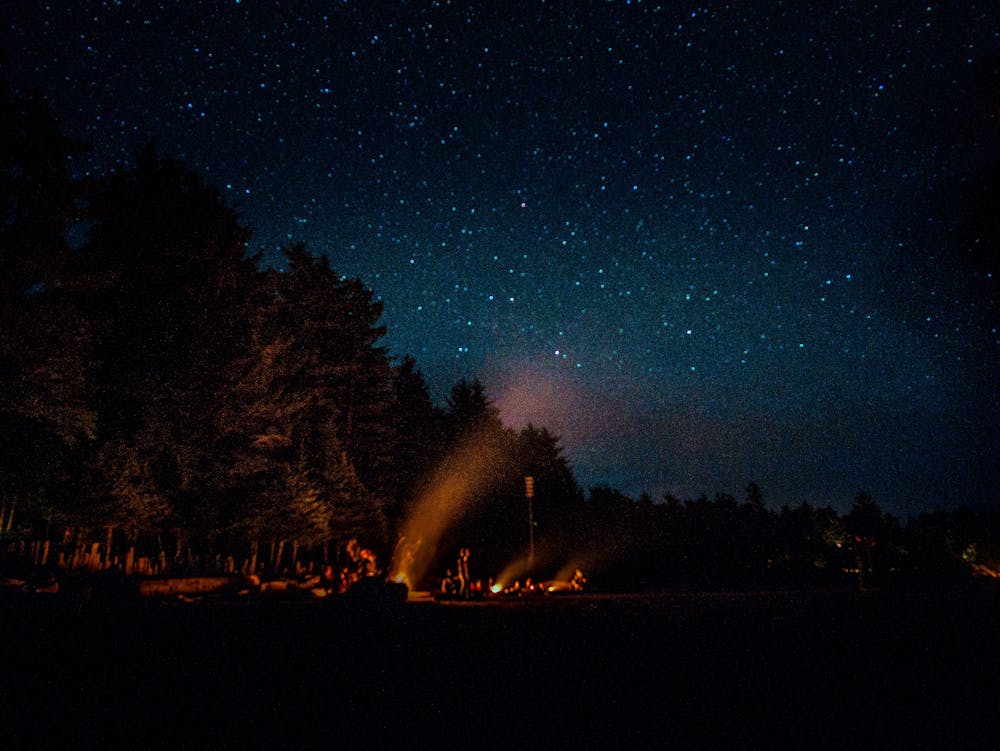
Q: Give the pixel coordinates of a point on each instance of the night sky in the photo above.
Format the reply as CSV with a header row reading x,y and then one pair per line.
x,y
703,243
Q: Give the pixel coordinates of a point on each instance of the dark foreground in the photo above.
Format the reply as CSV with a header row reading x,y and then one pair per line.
x,y
758,670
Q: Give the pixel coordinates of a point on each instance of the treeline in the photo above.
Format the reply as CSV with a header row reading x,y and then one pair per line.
x,y
726,542
165,395
170,403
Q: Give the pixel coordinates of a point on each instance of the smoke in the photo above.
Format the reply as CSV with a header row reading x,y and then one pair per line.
x,y
456,486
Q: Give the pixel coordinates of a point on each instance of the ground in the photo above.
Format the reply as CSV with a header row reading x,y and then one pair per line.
x,y
689,670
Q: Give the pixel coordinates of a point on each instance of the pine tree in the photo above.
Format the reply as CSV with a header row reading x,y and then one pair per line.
x,y
47,413
419,438
173,287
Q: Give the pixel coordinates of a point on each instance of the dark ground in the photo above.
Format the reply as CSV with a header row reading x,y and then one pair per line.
x,y
751,670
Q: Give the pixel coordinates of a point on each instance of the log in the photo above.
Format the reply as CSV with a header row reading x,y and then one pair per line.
x,y
195,585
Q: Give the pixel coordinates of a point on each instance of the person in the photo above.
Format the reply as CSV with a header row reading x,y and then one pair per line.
x,y
346,579
330,580
448,584
463,574
578,582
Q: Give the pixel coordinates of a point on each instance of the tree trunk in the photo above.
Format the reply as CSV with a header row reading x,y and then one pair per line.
x,y
278,555
10,517
107,553
254,546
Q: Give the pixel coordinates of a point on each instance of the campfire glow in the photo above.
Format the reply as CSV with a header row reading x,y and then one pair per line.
x,y
514,571
453,489
521,568
566,572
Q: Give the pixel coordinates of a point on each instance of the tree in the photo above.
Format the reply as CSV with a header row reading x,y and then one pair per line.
x,y
556,490
172,256
755,496
173,287
47,413
419,438
874,534
303,406
336,320
470,411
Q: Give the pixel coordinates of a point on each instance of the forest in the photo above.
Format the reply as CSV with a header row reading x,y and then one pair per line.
x,y
170,403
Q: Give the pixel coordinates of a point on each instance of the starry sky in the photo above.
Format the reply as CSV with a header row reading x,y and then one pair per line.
x,y
704,243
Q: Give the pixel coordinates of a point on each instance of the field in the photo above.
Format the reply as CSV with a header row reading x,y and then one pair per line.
x,y
747,670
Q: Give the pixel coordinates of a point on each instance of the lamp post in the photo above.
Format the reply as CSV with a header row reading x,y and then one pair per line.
x,y
529,492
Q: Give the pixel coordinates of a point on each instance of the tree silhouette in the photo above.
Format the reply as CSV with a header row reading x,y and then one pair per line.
x,y
47,414
470,411
169,308
419,448
334,321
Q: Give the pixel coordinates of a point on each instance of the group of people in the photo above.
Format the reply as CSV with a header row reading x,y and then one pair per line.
x,y
361,563
459,584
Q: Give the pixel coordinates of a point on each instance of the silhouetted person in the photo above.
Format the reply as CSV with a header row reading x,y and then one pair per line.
x,y
448,584
463,573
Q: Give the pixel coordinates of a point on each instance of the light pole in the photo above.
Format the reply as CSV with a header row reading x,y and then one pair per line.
x,y
529,492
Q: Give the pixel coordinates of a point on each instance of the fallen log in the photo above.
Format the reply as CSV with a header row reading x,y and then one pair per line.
x,y
196,585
